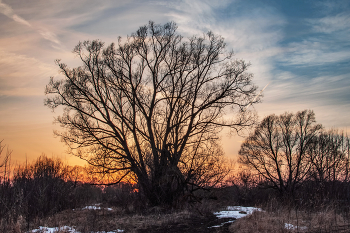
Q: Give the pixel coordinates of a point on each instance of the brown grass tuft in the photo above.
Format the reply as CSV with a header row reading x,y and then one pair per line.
x,y
103,220
302,221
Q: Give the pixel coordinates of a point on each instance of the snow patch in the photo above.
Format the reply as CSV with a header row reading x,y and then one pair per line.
x,y
67,229
222,224
292,227
95,207
54,229
236,212
92,207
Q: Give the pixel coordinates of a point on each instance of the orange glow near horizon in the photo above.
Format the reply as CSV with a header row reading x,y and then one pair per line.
x,y
28,141
76,173
309,70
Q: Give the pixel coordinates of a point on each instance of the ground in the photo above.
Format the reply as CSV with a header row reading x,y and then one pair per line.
x,y
103,219
194,224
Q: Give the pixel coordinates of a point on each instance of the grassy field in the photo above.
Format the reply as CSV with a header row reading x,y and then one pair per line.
x,y
197,217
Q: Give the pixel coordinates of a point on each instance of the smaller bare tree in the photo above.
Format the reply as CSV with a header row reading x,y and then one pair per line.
x,y
5,164
277,150
328,156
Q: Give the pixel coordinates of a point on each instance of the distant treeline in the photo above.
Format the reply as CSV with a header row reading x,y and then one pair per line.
x,y
288,158
48,186
298,159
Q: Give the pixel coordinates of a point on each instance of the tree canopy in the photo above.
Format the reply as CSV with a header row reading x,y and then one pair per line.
x,y
151,107
278,149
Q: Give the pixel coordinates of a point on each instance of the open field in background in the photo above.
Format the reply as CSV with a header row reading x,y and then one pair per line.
x,y
48,193
150,115
126,215
189,220
42,195
278,218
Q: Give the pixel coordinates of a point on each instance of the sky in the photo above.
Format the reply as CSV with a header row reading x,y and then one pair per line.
x,y
300,48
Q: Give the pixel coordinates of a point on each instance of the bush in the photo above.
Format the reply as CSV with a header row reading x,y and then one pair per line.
x,y
42,189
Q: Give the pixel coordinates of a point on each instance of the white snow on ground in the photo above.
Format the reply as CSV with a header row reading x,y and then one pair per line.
x,y
92,207
292,227
67,229
231,221
54,229
236,212
240,212
95,207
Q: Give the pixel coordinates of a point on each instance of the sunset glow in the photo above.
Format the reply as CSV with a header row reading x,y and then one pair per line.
x,y
299,53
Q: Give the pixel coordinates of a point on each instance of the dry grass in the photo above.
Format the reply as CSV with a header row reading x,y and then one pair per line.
x,y
301,221
12,226
128,219
103,220
192,218
258,222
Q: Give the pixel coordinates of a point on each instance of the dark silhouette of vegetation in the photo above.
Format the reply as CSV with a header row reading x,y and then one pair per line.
x,y
329,156
5,162
151,107
47,190
41,189
294,155
277,150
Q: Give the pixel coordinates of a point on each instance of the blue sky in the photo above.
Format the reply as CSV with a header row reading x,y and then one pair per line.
x,y
301,48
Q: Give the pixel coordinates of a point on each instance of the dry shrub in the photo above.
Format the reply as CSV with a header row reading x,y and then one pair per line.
x,y
263,222
327,220
139,222
104,220
203,208
275,220
8,225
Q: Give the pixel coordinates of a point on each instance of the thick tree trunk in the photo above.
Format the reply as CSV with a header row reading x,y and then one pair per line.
x,y
165,188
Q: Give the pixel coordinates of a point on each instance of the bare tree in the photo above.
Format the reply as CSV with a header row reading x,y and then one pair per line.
x,y
5,164
150,105
277,150
329,156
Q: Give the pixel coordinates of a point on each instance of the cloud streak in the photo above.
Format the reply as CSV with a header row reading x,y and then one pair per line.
x,y
313,52
8,11
23,76
304,56
46,34
330,24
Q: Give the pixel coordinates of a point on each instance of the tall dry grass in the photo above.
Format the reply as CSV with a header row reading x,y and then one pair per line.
x,y
290,219
105,221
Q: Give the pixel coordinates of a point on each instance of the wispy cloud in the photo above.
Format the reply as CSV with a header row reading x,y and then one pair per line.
x,y
46,34
330,24
327,95
294,51
313,52
195,17
8,11
23,76
326,40
253,34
